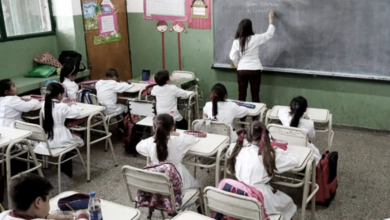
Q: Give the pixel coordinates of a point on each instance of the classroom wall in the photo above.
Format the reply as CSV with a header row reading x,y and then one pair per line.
x,y
358,103
69,26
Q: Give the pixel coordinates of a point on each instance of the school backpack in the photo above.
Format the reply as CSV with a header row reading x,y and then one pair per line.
x,y
72,57
83,96
132,134
160,202
327,178
146,94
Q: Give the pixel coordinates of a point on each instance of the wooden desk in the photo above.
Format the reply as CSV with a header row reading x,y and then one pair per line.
x,y
110,210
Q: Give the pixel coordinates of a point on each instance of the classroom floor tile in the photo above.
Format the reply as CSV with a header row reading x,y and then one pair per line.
x,y
363,172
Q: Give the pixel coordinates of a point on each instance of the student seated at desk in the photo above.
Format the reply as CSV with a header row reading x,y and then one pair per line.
x,y
11,105
296,117
30,196
67,78
169,146
256,163
220,110
107,90
166,98
55,113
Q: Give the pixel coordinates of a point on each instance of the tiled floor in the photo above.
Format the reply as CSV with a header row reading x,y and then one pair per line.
x,y
363,171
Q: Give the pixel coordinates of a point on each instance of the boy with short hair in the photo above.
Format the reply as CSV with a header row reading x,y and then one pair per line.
x,y
30,196
107,90
166,98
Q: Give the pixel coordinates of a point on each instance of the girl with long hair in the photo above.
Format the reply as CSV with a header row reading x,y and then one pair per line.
x,y
220,110
256,163
295,117
169,146
55,112
245,55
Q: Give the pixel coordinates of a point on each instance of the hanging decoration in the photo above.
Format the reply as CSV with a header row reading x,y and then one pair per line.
x,y
200,11
179,28
90,11
162,27
108,24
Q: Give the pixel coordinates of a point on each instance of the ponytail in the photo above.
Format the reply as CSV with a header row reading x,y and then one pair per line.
x,y
218,94
298,107
236,151
163,125
257,132
52,92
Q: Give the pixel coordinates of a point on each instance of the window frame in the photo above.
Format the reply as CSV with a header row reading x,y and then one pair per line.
x,y
3,32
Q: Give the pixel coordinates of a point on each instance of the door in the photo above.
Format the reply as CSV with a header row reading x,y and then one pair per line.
x,y
111,48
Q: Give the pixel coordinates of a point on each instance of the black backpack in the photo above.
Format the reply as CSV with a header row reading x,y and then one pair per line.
x,y
73,58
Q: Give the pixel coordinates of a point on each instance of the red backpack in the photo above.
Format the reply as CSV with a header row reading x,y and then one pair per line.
x,y
326,178
132,134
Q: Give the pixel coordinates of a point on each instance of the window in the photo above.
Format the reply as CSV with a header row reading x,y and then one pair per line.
x,y
25,18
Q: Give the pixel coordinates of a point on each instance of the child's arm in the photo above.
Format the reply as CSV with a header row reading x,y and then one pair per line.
x,y
121,87
143,148
72,111
311,133
239,111
185,142
23,106
285,161
180,93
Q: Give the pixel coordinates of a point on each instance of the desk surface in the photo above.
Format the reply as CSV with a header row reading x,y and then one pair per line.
x,y
190,215
7,135
89,109
207,146
315,114
137,87
257,110
110,210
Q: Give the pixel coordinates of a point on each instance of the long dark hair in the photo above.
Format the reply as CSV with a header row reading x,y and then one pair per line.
x,y
298,107
244,32
163,124
255,132
5,85
53,90
218,94
67,70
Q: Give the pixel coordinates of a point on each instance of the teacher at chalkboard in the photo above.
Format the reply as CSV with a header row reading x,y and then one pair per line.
x,y
245,56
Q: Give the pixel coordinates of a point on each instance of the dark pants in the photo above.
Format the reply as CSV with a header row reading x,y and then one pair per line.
x,y
249,76
182,125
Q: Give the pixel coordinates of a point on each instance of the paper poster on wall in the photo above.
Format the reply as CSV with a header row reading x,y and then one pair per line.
x,y
107,24
200,11
167,10
91,11
113,37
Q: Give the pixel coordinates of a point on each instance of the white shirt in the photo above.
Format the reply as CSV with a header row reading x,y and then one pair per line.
x,y
227,112
166,99
107,94
6,216
250,168
250,59
71,88
306,124
12,107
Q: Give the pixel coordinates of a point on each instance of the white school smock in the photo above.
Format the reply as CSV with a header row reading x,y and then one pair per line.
x,y
177,148
71,88
166,99
107,94
6,216
227,112
250,59
62,137
306,124
12,107
250,170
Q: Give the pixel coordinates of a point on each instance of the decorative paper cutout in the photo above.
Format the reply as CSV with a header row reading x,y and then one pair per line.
x,y
200,11
162,26
179,28
113,37
90,10
167,10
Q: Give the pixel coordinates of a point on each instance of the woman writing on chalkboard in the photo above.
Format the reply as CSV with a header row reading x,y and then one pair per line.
x,y
245,56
